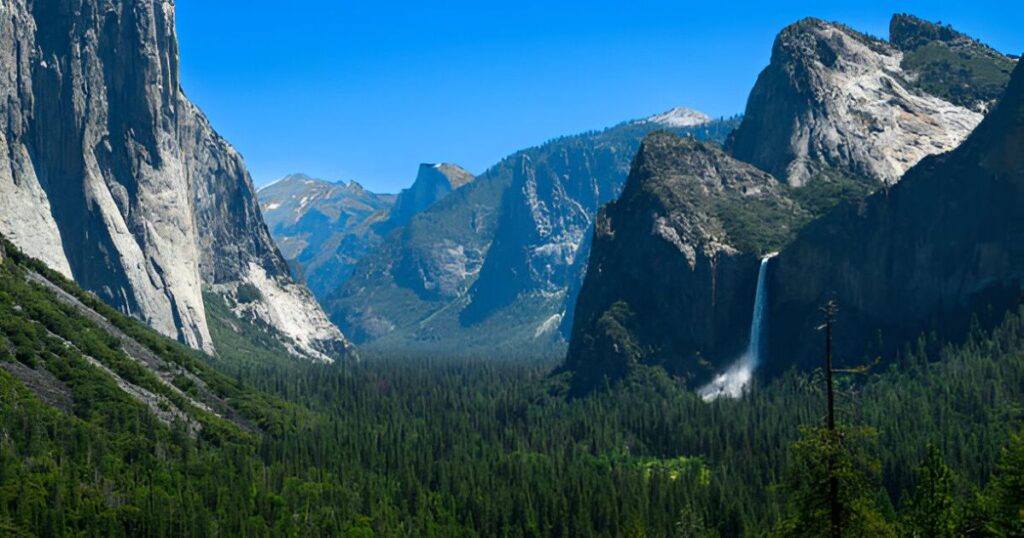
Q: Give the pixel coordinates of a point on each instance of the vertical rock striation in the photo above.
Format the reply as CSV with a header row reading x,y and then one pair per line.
x,y
112,176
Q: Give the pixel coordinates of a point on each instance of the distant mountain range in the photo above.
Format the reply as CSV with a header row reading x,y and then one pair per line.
x,y
323,229
494,266
497,266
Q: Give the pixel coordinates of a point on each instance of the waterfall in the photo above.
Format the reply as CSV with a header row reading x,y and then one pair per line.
x,y
737,377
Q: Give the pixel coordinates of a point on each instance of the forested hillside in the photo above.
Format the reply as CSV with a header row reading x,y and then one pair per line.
x,y
455,448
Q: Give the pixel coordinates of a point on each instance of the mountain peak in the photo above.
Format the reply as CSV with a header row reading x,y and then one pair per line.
x,y
834,101
679,117
909,32
815,28
434,181
289,180
456,175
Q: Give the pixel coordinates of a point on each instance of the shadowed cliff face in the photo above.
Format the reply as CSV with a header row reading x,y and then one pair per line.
x,y
110,175
833,101
433,182
673,271
945,244
835,115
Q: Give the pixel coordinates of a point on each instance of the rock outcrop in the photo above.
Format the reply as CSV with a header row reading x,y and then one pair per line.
x,y
834,116
943,246
545,215
836,102
112,176
674,264
433,182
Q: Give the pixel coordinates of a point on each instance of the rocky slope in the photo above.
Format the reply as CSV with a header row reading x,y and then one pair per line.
x,y
323,228
674,263
58,339
944,245
489,268
946,63
110,175
836,105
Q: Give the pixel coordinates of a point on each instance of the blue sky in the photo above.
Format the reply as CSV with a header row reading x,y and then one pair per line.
x,y
366,90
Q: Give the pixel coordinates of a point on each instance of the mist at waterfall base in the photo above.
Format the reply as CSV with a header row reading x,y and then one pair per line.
x,y
733,381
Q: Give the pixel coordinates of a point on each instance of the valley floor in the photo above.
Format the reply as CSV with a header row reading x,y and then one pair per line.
x,y
398,447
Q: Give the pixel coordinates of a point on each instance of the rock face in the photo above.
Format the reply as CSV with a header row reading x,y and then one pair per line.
x,y
545,215
674,265
836,115
323,229
490,267
834,101
111,176
945,244
433,182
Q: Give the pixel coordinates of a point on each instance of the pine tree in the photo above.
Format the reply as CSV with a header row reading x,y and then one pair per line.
x,y
818,458
1006,491
932,511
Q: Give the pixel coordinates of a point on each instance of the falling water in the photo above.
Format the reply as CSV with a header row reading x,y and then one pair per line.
x,y
737,377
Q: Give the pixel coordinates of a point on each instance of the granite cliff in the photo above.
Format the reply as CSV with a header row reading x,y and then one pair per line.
x,y
837,105
940,250
110,175
674,264
835,116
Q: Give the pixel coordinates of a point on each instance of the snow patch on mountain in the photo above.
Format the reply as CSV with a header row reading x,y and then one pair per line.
x,y
679,117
